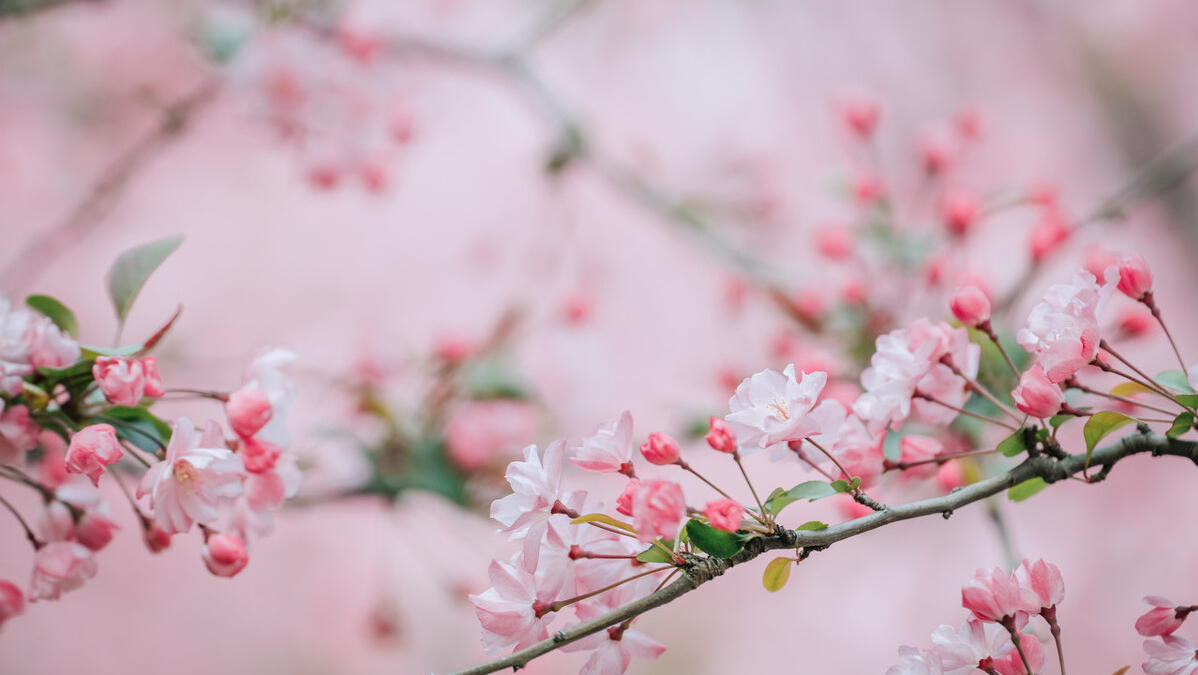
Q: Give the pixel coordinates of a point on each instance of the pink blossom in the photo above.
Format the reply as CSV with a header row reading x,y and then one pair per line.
x,y
511,612
1011,663
186,487
156,539
915,448
614,647
835,242
658,509
722,438
479,432
1036,395
12,377
961,651
1063,329
59,567
28,338
1171,655
1040,585
56,522
258,455
992,595
951,476
93,448
122,379
661,449
609,449
154,388
914,661
265,374
935,153
249,410
533,499
12,601
1164,617
565,568
971,306
1049,232
18,434
264,493
225,555
860,114
624,501
1135,279
724,514
770,408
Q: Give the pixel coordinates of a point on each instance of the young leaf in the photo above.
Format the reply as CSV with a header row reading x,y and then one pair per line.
x,y
776,574
717,543
812,525
655,554
1058,420
1099,426
603,518
812,490
57,312
1175,380
1013,445
1026,489
1183,423
131,270
1190,400
1129,388
840,485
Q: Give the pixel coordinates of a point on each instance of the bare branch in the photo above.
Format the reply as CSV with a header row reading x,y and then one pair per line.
x,y
700,570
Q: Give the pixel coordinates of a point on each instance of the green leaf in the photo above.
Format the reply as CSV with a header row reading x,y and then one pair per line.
x,y
1013,445
1026,489
812,526
1175,380
605,519
892,446
1183,423
35,396
812,490
90,353
1099,426
654,554
131,270
139,426
717,543
776,574
1188,400
1058,420
1129,388
57,312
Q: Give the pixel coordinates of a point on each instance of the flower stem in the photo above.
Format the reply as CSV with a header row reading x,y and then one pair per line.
x,y
37,543
557,606
926,397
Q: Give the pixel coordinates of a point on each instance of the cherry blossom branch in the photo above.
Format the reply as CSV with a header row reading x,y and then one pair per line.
x,y
104,192
700,570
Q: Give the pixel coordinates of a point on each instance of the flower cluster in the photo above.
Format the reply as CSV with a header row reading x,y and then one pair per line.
x,y
1168,654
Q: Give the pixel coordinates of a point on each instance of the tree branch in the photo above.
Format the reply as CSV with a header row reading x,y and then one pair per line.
x,y
700,570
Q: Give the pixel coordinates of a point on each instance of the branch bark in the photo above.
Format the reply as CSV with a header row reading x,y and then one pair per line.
x,y
700,570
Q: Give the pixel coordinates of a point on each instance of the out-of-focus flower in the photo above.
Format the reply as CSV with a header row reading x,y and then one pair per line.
x,y
249,410
722,438
971,306
59,567
624,501
123,380
225,555
724,514
914,661
658,509
12,601
1036,395
960,209
478,432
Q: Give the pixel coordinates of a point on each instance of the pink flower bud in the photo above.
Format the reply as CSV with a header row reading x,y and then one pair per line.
x,y
12,601
971,306
951,476
1164,617
1036,395
867,188
860,115
92,449
95,530
658,509
58,567
122,379
1135,279
149,366
258,455
157,539
935,153
835,242
960,209
1049,233
721,436
624,501
991,595
724,514
225,555
249,410
661,449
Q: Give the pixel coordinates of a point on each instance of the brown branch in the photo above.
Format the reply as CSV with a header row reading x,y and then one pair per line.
x,y
700,570
108,187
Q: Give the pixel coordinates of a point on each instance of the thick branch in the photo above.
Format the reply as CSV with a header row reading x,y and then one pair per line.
x,y
701,570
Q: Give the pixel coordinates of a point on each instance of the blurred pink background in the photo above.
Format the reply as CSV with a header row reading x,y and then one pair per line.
x,y
728,100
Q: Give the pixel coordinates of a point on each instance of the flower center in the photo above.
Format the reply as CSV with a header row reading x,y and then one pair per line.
x,y
780,408
188,477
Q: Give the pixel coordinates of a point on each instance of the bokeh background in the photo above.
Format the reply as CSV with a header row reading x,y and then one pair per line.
x,y
636,182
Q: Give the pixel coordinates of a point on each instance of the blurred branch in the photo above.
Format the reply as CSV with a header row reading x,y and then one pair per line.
x,y
21,8
111,184
700,570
